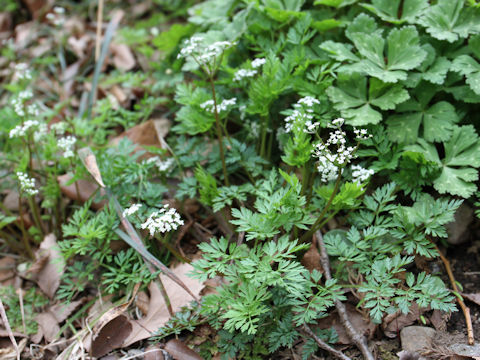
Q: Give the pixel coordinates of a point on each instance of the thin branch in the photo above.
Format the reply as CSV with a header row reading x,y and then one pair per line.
x,y
98,39
357,338
465,308
323,345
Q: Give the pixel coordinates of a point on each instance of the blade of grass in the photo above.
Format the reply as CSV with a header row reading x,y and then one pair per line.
x,y
111,28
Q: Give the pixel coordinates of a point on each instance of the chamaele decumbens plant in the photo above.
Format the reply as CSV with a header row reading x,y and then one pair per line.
x,y
288,116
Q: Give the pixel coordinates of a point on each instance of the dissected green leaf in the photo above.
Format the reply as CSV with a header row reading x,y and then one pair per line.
x,y
449,20
352,98
459,164
392,11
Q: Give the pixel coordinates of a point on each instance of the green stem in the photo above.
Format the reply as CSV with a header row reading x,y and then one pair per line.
x,y
264,136
308,234
36,214
219,133
25,237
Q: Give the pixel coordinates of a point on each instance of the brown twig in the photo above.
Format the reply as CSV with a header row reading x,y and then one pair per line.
x,y
98,39
323,345
4,318
357,338
465,308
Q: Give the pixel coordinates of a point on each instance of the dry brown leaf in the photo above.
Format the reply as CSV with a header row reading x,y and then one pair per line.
x,y
157,314
180,351
114,329
360,323
8,352
86,190
48,327
79,45
37,7
48,277
68,78
7,271
393,323
153,352
90,162
123,58
11,200
141,302
62,311
5,21
144,134
311,259
439,320
472,297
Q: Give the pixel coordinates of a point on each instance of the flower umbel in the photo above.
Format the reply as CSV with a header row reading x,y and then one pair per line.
x,y
163,220
67,145
361,174
301,117
131,210
27,184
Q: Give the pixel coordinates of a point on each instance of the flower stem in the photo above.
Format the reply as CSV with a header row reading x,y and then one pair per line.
x,y
315,226
219,133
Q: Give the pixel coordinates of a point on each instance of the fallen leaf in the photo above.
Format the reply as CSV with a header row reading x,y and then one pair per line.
x,y
123,58
311,259
439,320
111,335
393,323
472,297
11,200
153,352
48,327
158,315
48,277
90,162
7,271
359,322
5,21
144,134
180,351
9,352
408,355
85,190
37,7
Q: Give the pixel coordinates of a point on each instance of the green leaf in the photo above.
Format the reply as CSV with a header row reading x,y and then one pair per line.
x,y
388,10
470,68
449,20
168,40
335,3
351,99
436,120
388,62
459,164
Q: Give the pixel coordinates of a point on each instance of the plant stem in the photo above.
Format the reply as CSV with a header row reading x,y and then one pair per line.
x,y
264,136
323,345
325,209
25,237
36,214
357,338
219,132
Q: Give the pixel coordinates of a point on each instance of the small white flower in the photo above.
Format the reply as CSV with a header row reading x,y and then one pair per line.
x,y
22,72
131,210
338,122
202,53
59,128
58,10
163,220
308,101
244,73
66,144
22,129
164,165
362,134
154,31
361,174
223,106
328,171
27,184
258,62
301,116
40,133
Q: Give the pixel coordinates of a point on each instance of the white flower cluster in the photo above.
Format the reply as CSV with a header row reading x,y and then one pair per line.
x,y
57,17
329,161
258,62
209,105
162,165
22,129
361,174
361,134
131,210
40,133
67,144
19,100
22,72
59,128
164,220
27,184
202,53
302,116
244,73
